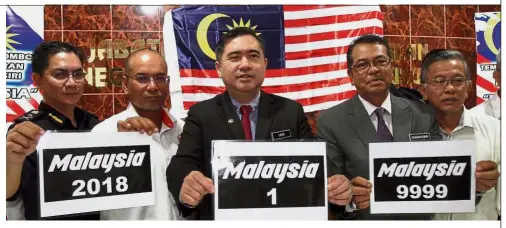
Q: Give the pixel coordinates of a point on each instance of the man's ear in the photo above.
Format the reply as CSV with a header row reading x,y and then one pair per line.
x,y
124,84
469,83
350,74
217,65
423,91
37,79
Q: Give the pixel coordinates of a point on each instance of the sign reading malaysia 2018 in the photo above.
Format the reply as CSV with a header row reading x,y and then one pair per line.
x,y
86,172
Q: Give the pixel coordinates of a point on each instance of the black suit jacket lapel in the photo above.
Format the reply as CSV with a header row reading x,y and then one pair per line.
x,y
361,122
266,110
229,116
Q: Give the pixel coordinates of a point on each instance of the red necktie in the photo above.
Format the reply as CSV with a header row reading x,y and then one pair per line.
x,y
246,126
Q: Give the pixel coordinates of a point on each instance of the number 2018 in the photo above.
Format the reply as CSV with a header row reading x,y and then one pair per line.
x,y
427,191
93,186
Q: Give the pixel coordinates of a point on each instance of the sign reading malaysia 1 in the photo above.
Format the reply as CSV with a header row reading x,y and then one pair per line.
x,y
269,180
422,177
86,172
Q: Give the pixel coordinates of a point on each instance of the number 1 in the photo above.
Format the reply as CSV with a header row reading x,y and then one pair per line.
x,y
108,184
272,193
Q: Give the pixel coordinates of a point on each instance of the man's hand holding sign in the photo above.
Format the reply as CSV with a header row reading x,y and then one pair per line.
x,y
361,189
339,190
195,187
139,124
21,142
487,175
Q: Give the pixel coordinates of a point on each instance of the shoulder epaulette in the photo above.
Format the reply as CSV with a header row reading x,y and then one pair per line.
x,y
31,115
55,118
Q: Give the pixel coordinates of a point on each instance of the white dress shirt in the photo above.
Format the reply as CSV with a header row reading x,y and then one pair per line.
x,y
491,107
167,139
485,130
387,116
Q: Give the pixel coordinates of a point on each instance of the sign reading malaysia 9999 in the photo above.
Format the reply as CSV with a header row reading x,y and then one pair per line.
x,y
423,178
92,176
266,180
434,178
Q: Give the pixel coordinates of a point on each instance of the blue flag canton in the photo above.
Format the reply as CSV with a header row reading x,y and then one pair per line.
x,y
489,42
20,39
198,30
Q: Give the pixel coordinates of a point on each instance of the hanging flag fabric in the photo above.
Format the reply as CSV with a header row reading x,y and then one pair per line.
x,y
305,45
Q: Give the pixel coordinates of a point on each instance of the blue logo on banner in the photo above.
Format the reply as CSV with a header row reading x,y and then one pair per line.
x,y
489,38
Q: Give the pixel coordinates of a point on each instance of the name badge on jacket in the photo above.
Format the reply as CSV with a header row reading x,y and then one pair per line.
x,y
277,135
419,137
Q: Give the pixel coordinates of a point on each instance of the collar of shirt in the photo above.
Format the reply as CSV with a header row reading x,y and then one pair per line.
x,y
465,121
370,108
253,104
168,120
61,119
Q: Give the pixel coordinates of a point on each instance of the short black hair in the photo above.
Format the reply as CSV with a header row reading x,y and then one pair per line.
x,y
129,58
234,33
44,51
437,55
366,39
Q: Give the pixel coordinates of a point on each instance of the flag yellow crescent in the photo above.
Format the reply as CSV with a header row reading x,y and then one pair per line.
x,y
202,34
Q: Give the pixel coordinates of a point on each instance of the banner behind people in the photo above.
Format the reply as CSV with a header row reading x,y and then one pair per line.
x,y
488,43
25,29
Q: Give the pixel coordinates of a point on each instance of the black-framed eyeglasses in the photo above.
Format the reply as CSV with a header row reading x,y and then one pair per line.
x,y
145,80
379,63
63,75
443,82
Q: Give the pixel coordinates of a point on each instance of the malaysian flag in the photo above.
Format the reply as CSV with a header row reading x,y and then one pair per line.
x,y
305,44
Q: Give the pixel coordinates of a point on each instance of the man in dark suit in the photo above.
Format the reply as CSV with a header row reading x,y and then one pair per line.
x,y
374,115
242,112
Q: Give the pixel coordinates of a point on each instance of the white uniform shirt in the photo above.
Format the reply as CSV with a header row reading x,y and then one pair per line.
x,y
16,209
167,139
491,107
485,130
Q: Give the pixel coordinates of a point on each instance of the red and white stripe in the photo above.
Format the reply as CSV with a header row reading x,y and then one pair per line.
x,y
316,41
484,86
484,80
18,107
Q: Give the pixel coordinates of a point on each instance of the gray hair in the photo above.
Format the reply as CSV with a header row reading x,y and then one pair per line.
x,y
437,55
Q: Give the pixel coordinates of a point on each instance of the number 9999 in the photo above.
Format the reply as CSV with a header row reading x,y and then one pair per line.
x,y
427,191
